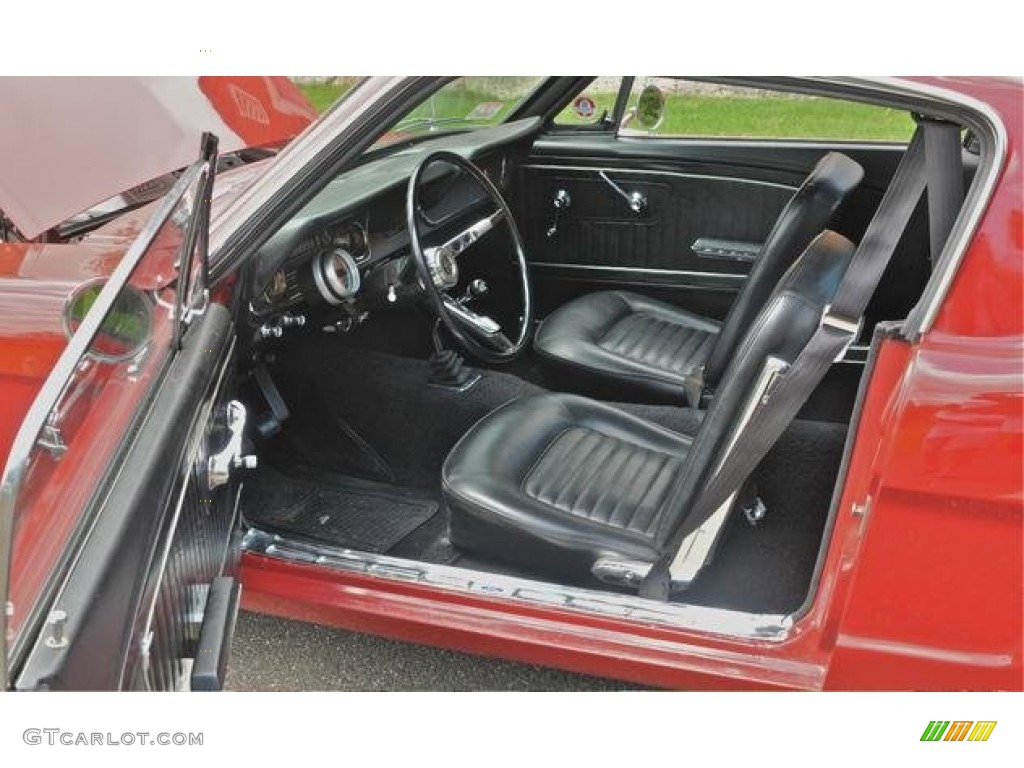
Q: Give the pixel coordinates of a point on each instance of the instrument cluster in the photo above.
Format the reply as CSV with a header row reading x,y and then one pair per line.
x,y
323,267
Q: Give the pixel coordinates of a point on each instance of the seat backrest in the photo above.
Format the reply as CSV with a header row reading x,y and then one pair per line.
x,y
787,322
806,214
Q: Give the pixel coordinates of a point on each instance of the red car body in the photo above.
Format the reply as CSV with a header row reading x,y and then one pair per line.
x,y
922,584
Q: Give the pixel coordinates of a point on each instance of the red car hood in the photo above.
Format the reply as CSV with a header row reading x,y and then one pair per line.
x,y
67,144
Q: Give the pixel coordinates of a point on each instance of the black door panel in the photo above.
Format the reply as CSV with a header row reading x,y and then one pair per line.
x,y
599,229
135,598
696,190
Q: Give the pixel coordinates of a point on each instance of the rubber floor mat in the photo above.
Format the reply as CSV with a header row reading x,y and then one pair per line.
x,y
343,512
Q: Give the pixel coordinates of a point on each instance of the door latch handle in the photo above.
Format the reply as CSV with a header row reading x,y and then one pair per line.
x,y
561,202
637,201
220,464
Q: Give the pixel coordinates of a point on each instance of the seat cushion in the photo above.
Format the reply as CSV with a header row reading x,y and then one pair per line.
x,y
553,482
628,340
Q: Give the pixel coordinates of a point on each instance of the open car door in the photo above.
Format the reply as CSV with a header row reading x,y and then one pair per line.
x,y
118,500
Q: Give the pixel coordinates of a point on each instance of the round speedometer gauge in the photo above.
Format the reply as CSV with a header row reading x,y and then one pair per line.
x,y
336,275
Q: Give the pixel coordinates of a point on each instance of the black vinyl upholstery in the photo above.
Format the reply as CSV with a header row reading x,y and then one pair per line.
x,y
631,340
553,482
556,481
649,346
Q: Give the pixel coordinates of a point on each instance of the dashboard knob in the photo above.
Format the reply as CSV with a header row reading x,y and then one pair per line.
x,y
477,288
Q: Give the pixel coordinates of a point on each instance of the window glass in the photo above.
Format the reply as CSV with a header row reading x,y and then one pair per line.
x,y
700,109
466,103
593,105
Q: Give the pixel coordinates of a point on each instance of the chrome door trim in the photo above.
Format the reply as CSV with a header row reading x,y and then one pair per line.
x,y
717,621
641,270
712,281
598,169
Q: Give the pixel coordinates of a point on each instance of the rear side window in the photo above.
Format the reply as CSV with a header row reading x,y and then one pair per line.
x,y
701,109
672,107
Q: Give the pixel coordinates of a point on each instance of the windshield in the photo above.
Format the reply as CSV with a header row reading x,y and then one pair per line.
x,y
466,103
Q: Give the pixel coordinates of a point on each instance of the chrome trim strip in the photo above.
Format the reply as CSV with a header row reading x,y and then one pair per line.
x,y
729,277
644,172
718,621
56,384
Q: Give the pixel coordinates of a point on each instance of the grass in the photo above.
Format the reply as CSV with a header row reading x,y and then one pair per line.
x,y
322,95
785,117
715,116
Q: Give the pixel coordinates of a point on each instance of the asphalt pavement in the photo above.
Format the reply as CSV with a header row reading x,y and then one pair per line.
x,y
271,654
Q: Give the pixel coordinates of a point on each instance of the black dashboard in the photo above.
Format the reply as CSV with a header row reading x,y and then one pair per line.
x,y
347,251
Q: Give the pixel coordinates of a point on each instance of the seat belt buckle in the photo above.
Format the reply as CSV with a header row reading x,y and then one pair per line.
x,y
843,325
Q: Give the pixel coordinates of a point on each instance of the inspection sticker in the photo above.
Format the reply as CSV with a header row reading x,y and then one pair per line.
x,y
485,110
584,107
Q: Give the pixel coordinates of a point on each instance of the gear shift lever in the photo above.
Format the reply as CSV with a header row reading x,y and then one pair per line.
x,y
447,368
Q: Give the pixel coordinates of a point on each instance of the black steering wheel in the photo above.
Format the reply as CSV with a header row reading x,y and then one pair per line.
x,y
438,268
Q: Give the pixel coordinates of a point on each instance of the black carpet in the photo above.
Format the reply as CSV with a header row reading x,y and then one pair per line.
x,y
344,512
767,568
374,415
379,400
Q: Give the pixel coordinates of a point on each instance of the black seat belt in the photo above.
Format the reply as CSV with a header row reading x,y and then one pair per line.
x,y
839,326
943,152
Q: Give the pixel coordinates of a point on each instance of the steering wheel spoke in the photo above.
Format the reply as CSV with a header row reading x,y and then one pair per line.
x,y
462,241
